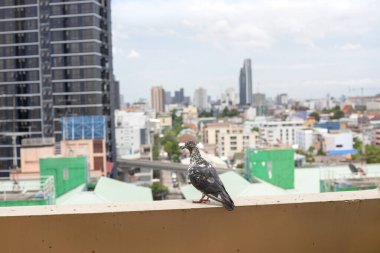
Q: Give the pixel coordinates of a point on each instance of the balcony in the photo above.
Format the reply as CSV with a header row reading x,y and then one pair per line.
x,y
328,222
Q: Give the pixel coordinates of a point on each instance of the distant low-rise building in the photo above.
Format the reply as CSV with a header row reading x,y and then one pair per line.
x,y
250,114
279,132
304,138
330,125
165,121
338,143
376,137
94,150
235,142
212,131
34,149
190,114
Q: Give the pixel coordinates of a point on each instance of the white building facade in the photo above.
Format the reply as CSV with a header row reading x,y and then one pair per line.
x,y
304,138
279,132
337,142
132,131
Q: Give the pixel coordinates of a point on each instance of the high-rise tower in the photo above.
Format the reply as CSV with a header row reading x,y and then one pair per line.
x,y
158,99
55,61
245,83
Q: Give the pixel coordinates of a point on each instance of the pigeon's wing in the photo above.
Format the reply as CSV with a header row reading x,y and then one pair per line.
x,y
203,176
353,168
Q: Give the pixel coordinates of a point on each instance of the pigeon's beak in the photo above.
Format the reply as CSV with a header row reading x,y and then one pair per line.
x,y
182,147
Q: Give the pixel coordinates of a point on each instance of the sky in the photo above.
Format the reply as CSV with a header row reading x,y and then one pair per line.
x,y
306,48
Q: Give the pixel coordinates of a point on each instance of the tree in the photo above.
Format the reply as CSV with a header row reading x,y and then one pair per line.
x,y
229,113
156,148
311,149
159,191
170,143
358,145
338,114
240,166
205,114
177,122
255,129
156,152
372,154
316,116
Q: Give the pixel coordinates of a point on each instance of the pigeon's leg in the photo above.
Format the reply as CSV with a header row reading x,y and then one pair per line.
x,y
202,200
215,198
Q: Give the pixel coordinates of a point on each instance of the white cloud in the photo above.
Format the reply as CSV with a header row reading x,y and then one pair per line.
x,y
246,24
351,47
260,24
133,55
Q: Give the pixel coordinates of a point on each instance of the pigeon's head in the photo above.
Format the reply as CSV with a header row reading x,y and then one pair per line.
x,y
190,145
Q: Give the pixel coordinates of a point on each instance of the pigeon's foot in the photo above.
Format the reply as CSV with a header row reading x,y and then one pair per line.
x,y
202,200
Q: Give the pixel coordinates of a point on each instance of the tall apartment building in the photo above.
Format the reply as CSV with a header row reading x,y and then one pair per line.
x,y
282,99
55,61
200,99
158,99
245,83
230,97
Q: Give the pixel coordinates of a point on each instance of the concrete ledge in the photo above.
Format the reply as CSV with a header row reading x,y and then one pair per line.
x,y
329,222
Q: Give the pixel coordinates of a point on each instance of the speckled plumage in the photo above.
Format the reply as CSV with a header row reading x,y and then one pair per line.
x,y
204,178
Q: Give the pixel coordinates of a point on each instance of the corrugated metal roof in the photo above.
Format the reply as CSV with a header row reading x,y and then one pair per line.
x,y
107,191
117,191
307,180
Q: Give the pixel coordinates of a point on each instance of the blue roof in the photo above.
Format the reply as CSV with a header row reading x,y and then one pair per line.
x,y
342,152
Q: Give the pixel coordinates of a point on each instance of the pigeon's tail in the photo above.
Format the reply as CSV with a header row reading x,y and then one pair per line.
x,y
228,203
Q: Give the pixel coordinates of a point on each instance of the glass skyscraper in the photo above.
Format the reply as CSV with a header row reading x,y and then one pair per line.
x,y
55,61
245,83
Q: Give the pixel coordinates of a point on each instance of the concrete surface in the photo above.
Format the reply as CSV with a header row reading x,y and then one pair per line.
x,y
330,222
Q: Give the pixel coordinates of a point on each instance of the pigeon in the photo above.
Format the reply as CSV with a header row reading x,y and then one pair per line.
x,y
204,178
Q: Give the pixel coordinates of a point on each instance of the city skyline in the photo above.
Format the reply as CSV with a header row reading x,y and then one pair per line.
x,y
304,49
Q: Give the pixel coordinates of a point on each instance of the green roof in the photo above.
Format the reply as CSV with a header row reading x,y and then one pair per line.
x,y
107,191
117,191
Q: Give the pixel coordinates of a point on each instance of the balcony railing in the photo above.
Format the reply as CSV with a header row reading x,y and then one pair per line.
x,y
328,222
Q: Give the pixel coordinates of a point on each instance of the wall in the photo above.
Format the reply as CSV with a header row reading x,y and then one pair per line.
x,y
304,138
68,172
86,148
338,141
330,222
275,166
30,158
